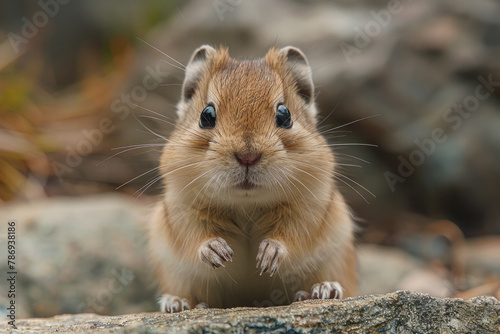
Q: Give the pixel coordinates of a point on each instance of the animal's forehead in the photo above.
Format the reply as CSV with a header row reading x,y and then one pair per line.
x,y
247,76
244,88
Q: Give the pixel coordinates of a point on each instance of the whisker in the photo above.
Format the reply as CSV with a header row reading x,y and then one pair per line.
x,y
173,65
147,186
135,178
352,144
136,146
325,209
355,121
277,181
303,196
194,180
158,167
211,197
151,111
171,123
353,157
206,185
181,14
171,84
154,133
356,183
130,148
315,134
303,171
348,165
163,53
329,114
344,182
337,175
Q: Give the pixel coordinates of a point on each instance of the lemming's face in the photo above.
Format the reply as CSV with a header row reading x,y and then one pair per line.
x,y
248,133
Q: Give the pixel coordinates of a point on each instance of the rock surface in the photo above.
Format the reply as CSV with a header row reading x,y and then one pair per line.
x,y
79,255
398,312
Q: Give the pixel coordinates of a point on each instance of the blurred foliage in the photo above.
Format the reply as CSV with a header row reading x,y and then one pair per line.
x,y
38,116
30,114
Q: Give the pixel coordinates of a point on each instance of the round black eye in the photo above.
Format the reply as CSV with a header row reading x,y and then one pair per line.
x,y
208,117
283,117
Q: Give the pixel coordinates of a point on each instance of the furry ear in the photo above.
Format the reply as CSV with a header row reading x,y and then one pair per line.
x,y
301,72
194,70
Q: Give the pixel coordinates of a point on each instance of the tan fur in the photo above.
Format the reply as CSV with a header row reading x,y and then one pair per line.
x,y
296,203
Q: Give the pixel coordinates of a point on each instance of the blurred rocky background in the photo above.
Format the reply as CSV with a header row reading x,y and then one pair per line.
x,y
415,85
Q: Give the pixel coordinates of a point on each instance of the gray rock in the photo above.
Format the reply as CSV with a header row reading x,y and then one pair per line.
x,y
84,255
482,255
381,269
398,312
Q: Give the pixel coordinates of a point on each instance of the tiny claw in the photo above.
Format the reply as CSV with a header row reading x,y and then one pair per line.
x,y
173,304
269,256
228,257
264,267
274,268
215,251
327,290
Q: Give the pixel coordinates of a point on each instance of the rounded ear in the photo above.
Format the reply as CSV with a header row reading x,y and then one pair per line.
x,y
301,72
194,70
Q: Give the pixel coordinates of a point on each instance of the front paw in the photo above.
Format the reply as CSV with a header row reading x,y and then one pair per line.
x,y
215,251
271,253
173,304
327,290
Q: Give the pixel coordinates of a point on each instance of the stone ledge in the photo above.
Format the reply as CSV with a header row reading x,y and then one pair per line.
x,y
397,312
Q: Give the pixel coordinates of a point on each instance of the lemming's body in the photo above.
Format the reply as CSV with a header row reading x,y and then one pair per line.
x,y
250,214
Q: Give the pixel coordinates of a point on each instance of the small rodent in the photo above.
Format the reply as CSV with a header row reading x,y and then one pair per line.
x,y
250,214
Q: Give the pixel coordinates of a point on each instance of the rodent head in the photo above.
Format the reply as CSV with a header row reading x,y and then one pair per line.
x,y
247,131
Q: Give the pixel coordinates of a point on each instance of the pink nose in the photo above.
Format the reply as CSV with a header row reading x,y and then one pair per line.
x,y
247,159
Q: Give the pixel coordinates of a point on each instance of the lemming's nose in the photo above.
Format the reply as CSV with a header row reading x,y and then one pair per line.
x,y
247,158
